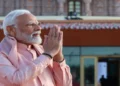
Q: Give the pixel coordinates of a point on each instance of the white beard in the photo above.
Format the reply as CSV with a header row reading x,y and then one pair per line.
x,y
32,39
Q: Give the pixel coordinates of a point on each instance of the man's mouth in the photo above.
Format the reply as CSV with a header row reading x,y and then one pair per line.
x,y
36,34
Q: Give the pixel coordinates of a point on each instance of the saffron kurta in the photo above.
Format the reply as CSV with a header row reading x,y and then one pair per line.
x,y
22,65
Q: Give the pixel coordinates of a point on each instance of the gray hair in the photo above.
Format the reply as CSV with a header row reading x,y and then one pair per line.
x,y
11,17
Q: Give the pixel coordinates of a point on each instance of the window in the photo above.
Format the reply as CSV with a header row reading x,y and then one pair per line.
x,y
74,6
72,57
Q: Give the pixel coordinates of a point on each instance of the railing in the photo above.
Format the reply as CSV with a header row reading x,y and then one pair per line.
x,y
80,24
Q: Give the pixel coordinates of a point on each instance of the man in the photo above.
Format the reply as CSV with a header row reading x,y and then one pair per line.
x,y
23,61
103,81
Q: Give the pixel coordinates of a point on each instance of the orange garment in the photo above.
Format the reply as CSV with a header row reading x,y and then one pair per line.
x,y
22,65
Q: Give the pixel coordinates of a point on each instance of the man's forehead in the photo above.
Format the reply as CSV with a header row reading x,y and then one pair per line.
x,y
26,15
27,18
31,21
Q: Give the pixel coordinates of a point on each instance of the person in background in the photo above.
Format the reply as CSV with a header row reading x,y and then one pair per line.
x,y
24,61
74,77
103,81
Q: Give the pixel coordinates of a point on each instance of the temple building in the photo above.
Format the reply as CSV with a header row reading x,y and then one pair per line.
x,y
63,7
91,34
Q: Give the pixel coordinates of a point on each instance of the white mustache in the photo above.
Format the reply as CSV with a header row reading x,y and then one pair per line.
x,y
36,32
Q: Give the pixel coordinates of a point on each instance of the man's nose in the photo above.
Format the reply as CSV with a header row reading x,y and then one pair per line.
x,y
38,27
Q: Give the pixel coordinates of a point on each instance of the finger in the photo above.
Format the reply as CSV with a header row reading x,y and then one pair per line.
x,y
57,30
45,39
54,32
50,32
60,38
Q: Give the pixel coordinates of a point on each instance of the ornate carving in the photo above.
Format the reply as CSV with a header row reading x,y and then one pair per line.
x,y
61,7
87,7
117,8
100,8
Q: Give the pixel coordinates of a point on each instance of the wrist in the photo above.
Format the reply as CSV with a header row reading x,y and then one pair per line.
x,y
50,53
58,58
47,54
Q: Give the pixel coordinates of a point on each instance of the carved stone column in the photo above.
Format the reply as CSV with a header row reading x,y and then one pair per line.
x,y
61,7
30,5
87,7
117,8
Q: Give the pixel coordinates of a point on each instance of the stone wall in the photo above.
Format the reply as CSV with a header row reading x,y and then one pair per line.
x,y
59,7
49,7
117,8
103,8
37,7
99,8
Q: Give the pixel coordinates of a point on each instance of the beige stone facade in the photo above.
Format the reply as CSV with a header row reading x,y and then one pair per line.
x,y
60,7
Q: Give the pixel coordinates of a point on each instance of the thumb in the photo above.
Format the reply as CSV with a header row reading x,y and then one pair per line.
x,y
45,39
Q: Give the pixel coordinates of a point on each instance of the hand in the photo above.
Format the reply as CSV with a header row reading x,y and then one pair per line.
x,y
59,56
52,41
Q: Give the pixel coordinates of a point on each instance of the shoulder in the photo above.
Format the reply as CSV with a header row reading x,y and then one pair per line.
x,y
4,59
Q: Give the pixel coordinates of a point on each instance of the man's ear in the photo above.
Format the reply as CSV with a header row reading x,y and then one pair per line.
x,y
11,30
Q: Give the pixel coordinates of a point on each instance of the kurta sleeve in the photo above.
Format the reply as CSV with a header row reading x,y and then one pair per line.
x,y
22,74
62,74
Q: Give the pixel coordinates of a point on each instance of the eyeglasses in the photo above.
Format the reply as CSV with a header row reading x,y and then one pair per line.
x,y
29,24
33,24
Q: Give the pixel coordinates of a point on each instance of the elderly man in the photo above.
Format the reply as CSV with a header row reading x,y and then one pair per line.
x,y
23,61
